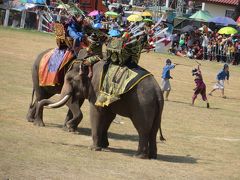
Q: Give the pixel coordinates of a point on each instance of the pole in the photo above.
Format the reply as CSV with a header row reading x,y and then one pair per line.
x,y
6,17
22,24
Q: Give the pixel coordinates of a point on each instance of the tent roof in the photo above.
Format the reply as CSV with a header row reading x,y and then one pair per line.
x,y
201,16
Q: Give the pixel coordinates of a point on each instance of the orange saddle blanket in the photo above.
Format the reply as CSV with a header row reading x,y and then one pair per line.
x,y
51,64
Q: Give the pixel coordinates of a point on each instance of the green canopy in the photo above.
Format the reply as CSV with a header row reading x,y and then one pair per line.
x,y
201,16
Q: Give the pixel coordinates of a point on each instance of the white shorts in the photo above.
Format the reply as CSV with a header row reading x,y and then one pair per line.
x,y
219,85
166,85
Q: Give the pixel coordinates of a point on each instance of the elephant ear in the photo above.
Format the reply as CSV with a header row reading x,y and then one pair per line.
x,y
82,54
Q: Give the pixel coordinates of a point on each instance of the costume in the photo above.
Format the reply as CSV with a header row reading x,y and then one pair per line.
x,y
200,85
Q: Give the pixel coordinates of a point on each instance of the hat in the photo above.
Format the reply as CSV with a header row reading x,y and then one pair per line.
x,y
168,61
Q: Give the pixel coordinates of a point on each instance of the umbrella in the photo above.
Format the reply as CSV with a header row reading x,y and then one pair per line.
x,y
146,13
61,6
201,16
93,13
227,30
114,33
111,13
188,28
201,29
147,20
223,20
134,18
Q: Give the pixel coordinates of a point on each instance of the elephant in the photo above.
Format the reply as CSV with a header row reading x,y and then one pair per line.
x,y
45,92
143,104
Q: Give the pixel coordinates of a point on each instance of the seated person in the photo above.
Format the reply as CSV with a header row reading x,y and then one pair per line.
x,y
94,53
74,30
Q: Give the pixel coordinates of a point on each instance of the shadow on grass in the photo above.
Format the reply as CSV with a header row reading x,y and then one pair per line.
x,y
177,159
180,102
111,135
131,153
87,132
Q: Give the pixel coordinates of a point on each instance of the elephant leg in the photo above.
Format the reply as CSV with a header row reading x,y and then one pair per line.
x,y
77,116
68,117
31,112
142,146
143,123
38,120
97,122
152,143
108,118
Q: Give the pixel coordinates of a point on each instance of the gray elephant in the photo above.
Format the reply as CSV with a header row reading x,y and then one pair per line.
x,y
44,92
143,105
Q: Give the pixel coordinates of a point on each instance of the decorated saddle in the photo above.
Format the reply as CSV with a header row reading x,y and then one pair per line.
x,y
117,80
51,66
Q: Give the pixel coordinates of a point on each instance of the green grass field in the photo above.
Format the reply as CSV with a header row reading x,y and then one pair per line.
x,y
201,143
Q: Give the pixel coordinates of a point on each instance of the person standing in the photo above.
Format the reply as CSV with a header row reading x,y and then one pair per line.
x,y
221,77
200,86
166,76
205,45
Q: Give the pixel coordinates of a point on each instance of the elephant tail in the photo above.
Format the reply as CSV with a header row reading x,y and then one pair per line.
x,y
160,105
33,92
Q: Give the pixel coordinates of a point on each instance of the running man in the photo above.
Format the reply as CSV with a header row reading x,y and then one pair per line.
x,y
221,77
166,76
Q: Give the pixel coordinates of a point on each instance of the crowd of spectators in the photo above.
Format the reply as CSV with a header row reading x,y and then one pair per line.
x,y
207,45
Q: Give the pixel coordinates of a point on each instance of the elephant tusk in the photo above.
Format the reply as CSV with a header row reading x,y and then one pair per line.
x,y
60,103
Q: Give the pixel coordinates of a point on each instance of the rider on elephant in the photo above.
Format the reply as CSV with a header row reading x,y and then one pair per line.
x,y
75,31
94,51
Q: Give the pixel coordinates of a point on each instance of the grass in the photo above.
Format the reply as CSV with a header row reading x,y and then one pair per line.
x,y
201,143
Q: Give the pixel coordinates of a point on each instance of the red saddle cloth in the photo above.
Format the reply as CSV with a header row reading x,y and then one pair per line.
x,y
51,65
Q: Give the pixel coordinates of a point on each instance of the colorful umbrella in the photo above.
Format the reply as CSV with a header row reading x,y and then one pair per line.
x,y
147,20
111,14
227,30
93,13
134,18
146,13
223,20
201,16
61,6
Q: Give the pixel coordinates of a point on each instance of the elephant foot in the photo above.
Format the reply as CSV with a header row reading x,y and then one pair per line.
x,y
105,145
70,129
30,119
141,156
152,156
38,123
95,148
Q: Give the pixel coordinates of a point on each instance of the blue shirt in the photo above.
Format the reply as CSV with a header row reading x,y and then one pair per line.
x,y
74,33
166,71
222,75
